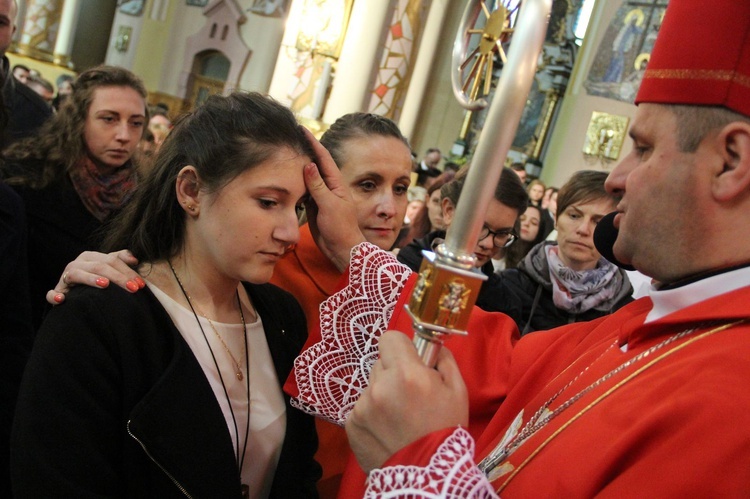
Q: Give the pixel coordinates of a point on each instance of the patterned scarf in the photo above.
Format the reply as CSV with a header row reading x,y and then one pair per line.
x,y
102,194
576,291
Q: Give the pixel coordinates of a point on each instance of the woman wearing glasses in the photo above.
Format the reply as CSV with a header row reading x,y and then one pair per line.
x,y
499,231
567,280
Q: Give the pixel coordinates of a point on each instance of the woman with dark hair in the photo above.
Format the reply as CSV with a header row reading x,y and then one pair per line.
x,y
375,163
534,228
567,280
77,172
176,391
64,85
498,232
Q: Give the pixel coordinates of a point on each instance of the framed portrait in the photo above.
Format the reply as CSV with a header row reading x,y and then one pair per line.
x,y
197,3
131,7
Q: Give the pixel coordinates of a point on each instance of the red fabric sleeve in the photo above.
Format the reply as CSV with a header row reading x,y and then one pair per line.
x,y
483,356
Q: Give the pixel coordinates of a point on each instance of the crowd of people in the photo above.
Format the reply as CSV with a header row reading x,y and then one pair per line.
x,y
215,307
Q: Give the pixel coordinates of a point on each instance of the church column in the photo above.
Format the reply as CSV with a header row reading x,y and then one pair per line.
x,y
397,58
19,21
40,29
359,54
422,72
66,32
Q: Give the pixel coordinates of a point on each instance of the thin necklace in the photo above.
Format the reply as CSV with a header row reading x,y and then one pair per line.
x,y
237,364
543,415
240,459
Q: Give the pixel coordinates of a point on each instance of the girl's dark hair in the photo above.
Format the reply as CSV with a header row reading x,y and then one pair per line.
x,y
354,126
520,248
509,189
61,140
222,138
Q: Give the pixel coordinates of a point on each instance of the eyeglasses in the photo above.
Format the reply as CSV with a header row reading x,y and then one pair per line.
x,y
501,239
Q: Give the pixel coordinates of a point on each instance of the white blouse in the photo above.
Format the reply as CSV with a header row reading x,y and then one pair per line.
x,y
267,410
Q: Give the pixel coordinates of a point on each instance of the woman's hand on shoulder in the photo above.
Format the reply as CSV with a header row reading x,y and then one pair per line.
x,y
97,270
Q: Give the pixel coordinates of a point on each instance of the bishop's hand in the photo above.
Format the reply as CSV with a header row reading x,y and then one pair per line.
x,y
404,401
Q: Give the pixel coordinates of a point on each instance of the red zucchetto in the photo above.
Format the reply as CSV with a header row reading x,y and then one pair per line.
x,y
701,56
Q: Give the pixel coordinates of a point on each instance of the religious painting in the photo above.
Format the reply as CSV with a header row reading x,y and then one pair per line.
x,y
132,7
622,56
270,8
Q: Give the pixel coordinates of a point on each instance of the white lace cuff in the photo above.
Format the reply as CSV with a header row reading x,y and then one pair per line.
x,y
450,474
332,373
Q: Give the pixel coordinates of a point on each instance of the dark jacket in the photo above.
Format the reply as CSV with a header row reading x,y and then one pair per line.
x,y
59,229
539,312
492,298
114,403
25,110
16,333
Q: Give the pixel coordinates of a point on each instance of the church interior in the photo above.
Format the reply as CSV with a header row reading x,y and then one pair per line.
x,y
326,58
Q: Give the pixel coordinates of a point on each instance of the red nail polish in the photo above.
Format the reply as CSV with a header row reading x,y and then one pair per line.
x,y
59,297
141,282
132,286
102,282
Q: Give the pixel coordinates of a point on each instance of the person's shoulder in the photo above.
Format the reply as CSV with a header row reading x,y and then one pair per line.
x,y
10,201
273,297
516,277
108,316
280,311
111,298
270,290
411,254
24,97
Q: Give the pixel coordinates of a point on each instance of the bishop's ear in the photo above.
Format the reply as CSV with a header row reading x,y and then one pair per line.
x,y
734,179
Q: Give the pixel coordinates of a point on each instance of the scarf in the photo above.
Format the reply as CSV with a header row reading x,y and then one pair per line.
x,y
576,291
103,194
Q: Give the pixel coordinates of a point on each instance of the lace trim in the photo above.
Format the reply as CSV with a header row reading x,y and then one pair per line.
x,y
450,474
332,373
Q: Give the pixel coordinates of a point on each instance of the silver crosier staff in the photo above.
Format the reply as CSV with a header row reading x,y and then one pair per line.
x,y
448,282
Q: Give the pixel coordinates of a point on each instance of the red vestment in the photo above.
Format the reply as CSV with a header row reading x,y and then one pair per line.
x,y
311,277
677,428
670,423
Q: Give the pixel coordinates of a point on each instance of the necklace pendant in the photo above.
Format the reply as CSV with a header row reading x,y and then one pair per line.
x,y
240,376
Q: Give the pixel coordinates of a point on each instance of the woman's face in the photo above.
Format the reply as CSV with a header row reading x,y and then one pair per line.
x,y
377,170
545,198
243,229
552,206
536,192
499,218
575,233
435,211
412,209
114,125
65,88
530,223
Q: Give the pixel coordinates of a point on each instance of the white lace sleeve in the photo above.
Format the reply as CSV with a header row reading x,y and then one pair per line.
x,y
331,374
451,474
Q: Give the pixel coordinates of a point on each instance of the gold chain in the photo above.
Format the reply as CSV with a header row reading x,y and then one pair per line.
x,y
238,365
608,392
